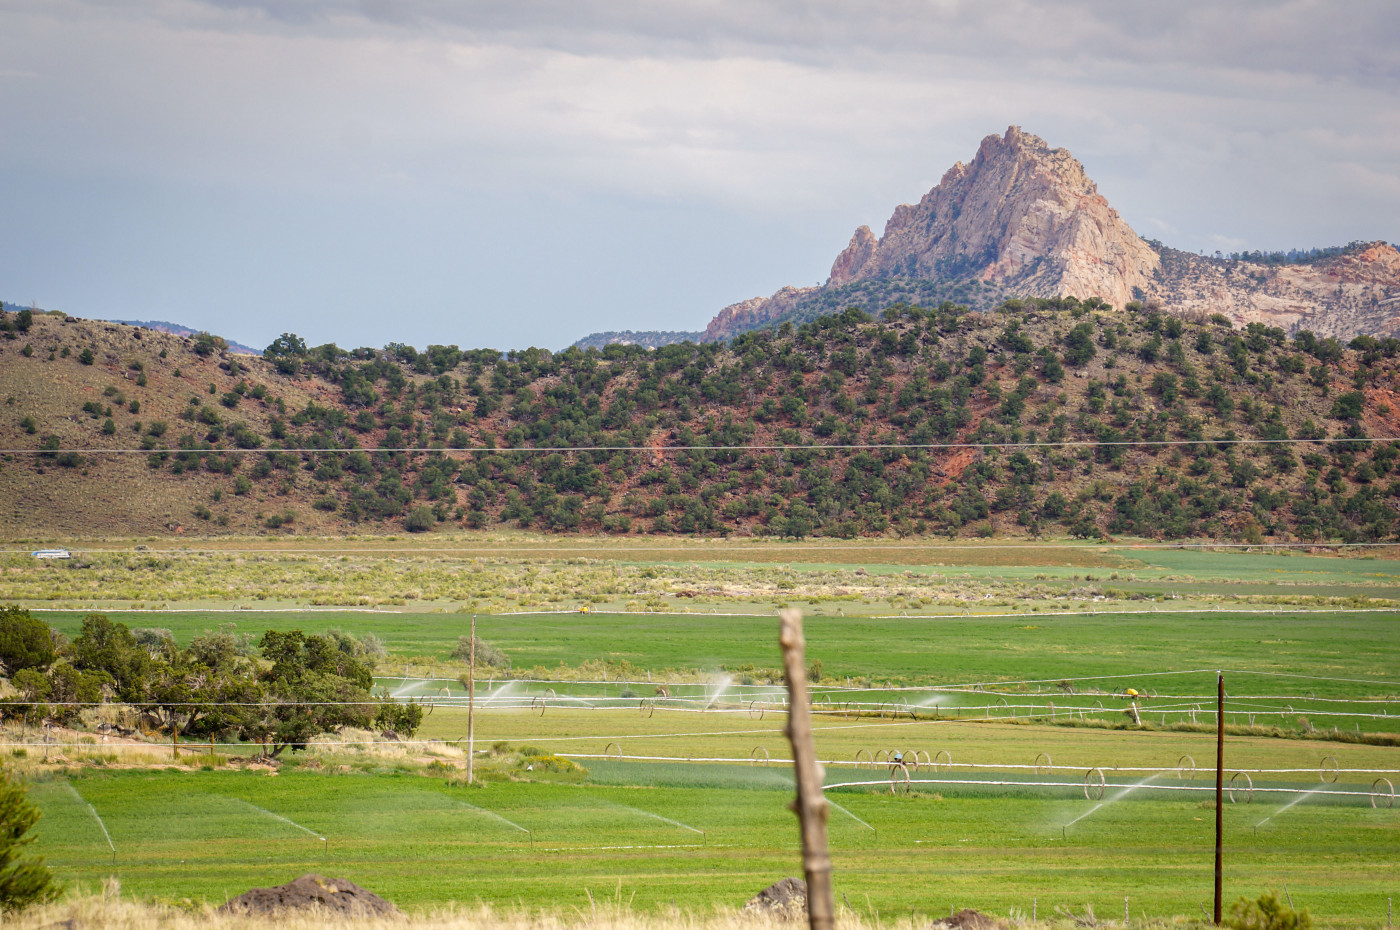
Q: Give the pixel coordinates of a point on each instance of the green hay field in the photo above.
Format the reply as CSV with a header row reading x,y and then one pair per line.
x,y
419,841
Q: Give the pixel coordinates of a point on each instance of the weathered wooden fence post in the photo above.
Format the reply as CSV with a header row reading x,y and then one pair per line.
x,y
810,806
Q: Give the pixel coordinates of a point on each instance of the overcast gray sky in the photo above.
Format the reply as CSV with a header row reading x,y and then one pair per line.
x,y
524,172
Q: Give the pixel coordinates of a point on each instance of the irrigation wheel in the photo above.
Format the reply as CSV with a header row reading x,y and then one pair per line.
x,y
1093,790
897,770
1247,787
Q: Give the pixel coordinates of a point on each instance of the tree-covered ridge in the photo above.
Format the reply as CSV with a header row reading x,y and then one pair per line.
x,y
643,435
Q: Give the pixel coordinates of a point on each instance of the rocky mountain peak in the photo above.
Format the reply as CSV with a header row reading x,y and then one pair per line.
x,y
1023,219
1021,214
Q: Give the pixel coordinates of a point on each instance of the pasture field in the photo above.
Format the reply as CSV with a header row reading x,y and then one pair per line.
x,y
497,573
1005,664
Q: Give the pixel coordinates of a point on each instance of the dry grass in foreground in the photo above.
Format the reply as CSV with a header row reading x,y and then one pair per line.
x,y
100,912
110,911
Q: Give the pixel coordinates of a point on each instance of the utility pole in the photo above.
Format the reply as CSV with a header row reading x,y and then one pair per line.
x,y
471,705
1219,790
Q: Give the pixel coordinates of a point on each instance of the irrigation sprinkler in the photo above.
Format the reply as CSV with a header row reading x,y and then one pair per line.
x,y
616,746
647,708
946,756
1247,787
911,759
755,712
1324,770
1300,798
1186,767
1048,768
1388,797
1093,789
537,702
870,758
753,756
92,810
882,752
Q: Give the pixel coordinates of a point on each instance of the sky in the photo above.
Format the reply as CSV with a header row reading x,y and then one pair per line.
x,y
509,173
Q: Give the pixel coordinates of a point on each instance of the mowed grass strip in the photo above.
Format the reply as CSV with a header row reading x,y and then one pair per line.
x,y
200,835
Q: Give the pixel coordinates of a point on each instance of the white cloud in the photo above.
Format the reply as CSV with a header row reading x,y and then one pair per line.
x,y
1274,122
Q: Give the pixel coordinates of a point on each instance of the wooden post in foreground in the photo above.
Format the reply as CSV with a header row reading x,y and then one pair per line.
x,y
471,706
810,805
1219,792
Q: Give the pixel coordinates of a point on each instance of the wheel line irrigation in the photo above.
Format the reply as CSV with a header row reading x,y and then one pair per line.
x,y
1125,788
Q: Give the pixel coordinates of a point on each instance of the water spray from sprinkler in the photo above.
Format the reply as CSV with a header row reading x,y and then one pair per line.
x,y
92,810
1117,797
1285,807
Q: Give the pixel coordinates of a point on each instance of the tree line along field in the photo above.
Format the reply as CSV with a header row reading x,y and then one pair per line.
x,y
1174,428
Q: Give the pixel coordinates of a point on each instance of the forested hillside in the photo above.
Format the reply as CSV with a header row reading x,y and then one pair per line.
x,y
1065,417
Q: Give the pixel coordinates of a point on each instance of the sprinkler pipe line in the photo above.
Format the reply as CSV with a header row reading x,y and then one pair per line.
x,y
989,687
970,714
989,766
884,783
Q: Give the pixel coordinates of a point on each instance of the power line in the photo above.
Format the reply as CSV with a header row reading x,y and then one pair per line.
x,y
835,447
707,545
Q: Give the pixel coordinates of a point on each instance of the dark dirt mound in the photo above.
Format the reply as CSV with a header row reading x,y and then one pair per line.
x,y
331,895
968,919
786,900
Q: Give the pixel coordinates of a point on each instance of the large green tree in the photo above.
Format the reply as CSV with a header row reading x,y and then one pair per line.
x,y
25,641
22,881
311,687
